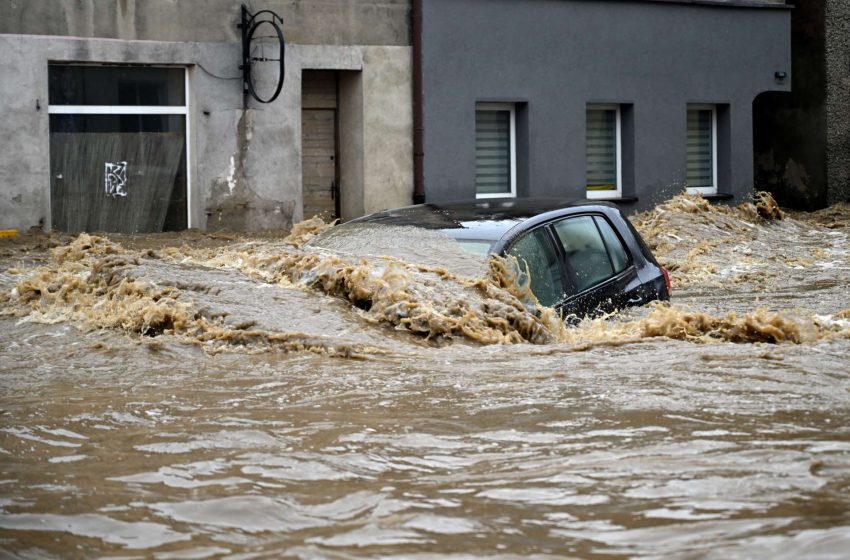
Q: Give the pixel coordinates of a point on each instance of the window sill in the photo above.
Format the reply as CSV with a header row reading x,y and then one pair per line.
x,y
495,195
718,196
619,199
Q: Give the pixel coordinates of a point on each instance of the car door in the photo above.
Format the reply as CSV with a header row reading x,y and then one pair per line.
x,y
601,272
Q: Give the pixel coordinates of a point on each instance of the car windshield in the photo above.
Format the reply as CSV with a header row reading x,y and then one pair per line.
x,y
413,244
476,246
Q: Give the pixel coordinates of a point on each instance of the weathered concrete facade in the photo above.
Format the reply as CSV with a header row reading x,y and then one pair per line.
x,y
246,163
550,60
307,22
838,100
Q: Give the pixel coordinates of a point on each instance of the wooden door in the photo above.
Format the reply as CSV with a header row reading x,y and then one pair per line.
x,y
319,145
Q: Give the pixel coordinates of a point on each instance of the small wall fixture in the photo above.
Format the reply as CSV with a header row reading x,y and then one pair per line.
x,y
264,21
780,76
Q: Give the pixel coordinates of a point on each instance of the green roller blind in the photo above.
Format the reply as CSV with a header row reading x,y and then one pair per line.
x,y
700,169
601,146
493,151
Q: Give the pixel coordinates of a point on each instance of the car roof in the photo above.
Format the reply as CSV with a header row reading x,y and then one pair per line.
x,y
483,219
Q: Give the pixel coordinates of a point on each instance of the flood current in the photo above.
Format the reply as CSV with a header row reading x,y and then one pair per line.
x,y
385,395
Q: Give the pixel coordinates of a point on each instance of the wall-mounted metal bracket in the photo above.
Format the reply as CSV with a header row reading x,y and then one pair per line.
x,y
253,50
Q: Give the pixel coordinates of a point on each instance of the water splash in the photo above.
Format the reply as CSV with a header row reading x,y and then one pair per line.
x,y
95,283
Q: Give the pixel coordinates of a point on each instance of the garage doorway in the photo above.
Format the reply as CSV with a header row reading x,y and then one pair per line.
x,y
320,144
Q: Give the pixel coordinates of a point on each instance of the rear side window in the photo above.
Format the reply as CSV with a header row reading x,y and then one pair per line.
x,y
535,251
615,247
647,254
585,251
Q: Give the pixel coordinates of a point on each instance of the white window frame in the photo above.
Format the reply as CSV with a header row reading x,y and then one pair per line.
x,y
511,107
142,110
713,108
619,147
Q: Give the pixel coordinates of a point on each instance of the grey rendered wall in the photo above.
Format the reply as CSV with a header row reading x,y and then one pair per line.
x,y
554,57
331,22
838,100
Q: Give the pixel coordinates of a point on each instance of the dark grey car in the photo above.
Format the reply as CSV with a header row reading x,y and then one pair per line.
x,y
583,257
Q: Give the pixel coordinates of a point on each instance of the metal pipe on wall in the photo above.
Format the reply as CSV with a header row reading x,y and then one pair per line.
x,y
418,126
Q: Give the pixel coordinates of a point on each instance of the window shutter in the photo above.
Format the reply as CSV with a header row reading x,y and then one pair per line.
x,y
492,152
700,170
601,149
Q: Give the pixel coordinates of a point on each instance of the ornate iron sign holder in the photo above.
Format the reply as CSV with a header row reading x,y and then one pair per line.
x,y
268,25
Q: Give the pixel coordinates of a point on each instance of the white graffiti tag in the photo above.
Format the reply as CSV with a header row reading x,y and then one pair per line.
x,y
116,179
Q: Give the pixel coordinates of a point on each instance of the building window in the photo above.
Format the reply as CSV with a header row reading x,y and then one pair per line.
x,y
495,150
702,149
603,149
118,148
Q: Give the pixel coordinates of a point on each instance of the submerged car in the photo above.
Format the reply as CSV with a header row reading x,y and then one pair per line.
x,y
583,257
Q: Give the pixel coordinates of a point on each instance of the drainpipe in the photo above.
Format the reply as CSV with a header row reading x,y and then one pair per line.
x,y
418,126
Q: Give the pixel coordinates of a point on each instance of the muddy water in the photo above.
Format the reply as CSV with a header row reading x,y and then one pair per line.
x,y
192,397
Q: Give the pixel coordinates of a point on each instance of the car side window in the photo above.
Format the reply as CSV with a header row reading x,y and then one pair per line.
x,y
585,251
618,255
536,251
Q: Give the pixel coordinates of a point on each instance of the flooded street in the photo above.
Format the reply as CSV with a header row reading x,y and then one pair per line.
x,y
198,397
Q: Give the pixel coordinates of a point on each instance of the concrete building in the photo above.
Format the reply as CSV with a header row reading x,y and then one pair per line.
x,y
802,141
129,115
625,100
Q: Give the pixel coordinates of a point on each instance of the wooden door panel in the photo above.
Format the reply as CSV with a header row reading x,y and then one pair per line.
x,y
319,144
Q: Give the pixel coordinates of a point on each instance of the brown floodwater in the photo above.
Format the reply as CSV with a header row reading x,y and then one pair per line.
x,y
194,396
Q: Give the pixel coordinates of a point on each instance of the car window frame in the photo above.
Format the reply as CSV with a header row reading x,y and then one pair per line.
x,y
567,271
625,246
565,260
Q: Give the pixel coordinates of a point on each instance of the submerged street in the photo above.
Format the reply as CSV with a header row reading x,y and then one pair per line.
x,y
197,396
